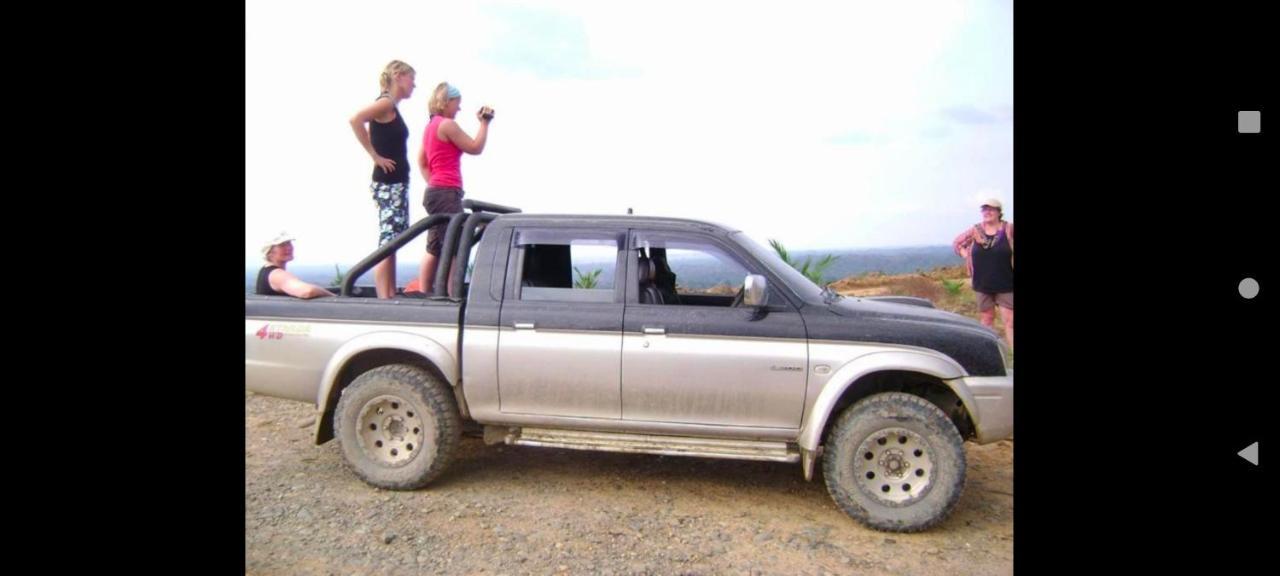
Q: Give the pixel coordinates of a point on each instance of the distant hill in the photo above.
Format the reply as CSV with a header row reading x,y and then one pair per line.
x,y
848,263
696,275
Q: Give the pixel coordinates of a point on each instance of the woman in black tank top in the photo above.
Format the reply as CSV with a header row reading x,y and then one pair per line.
x,y
274,280
264,282
988,249
384,135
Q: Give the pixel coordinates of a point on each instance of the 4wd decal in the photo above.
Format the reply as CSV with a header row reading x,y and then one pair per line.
x,y
278,331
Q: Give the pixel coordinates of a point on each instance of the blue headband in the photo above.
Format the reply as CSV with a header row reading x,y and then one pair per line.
x,y
453,92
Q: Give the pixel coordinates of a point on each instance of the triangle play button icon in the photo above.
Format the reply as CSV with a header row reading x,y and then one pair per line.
x,y
1250,453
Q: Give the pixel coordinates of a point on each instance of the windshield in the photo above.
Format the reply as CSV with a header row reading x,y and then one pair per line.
x,y
803,287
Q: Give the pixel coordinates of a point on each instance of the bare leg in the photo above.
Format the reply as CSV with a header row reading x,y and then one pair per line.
x,y
384,277
988,318
1007,315
427,272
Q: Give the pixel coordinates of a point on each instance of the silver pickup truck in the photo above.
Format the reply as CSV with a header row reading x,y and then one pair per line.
x,y
638,334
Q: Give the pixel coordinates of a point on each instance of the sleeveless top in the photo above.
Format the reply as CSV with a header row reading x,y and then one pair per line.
x,y
993,266
444,158
391,140
264,283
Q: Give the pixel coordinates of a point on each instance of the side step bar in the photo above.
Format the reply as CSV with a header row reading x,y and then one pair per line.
x,y
644,444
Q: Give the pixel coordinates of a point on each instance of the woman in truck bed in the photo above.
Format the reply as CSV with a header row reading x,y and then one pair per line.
x,y
274,280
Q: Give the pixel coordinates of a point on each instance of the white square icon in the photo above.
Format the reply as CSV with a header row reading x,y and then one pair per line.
x,y
1249,122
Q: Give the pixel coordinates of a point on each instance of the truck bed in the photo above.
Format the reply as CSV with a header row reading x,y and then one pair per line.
x,y
291,344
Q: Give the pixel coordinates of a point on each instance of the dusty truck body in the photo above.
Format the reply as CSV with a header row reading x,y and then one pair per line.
x,y
588,332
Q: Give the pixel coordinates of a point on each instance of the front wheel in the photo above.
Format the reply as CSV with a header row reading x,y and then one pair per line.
x,y
895,462
398,426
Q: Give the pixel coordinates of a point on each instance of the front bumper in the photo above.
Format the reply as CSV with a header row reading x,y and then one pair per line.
x,y
993,406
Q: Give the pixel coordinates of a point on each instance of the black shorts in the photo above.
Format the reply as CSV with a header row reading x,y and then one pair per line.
x,y
441,200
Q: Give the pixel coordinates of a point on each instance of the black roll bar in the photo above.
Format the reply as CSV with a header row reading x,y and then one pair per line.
x,y
447,249
481,211
468,237
482,206
389,248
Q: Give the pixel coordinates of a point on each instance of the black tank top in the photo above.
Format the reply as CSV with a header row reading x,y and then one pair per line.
x,y
391,140
993,267
264,282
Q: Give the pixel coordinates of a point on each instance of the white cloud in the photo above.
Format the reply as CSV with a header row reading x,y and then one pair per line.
x,y
723,112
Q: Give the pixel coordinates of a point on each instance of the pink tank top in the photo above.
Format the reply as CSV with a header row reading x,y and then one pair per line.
x,y
444,158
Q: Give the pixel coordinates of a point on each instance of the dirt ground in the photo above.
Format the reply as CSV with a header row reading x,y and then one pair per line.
x,y
525,510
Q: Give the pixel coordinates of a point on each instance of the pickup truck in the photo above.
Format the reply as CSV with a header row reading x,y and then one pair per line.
x,y
645,335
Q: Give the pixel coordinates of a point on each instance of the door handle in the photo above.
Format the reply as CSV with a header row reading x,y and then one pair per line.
x,y
654,330
524,325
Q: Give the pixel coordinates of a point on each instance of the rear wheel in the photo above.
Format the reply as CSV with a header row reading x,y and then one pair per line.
x,y
895,462
398,426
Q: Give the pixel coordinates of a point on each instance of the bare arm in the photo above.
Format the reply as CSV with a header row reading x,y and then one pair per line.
x,y
451,131
359,125
962,242
284,281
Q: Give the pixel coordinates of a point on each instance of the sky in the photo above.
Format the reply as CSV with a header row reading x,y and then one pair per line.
x,y
848,124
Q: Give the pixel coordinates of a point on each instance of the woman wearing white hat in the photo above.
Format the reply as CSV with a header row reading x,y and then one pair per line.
x,y
274,280
987,248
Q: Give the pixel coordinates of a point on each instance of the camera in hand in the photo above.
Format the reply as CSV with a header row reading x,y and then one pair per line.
x,y
486,113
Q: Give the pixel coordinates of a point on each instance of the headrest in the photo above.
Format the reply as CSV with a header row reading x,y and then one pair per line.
x,y
646,270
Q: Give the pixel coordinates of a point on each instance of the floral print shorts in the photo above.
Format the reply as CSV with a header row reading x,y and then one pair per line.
x,y
393,209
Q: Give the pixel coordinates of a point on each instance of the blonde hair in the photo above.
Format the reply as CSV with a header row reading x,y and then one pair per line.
x,y
393,69
439,98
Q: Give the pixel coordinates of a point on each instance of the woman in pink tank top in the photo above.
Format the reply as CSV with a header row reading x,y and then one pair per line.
x,y
443,143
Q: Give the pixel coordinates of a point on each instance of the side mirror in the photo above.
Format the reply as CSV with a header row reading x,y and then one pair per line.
x,y
755,290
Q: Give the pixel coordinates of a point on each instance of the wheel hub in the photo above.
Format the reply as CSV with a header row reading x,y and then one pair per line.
x,y
394,427
392,430
894,463
894,466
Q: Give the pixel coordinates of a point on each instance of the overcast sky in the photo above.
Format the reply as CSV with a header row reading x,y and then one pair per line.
x,y
823,124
